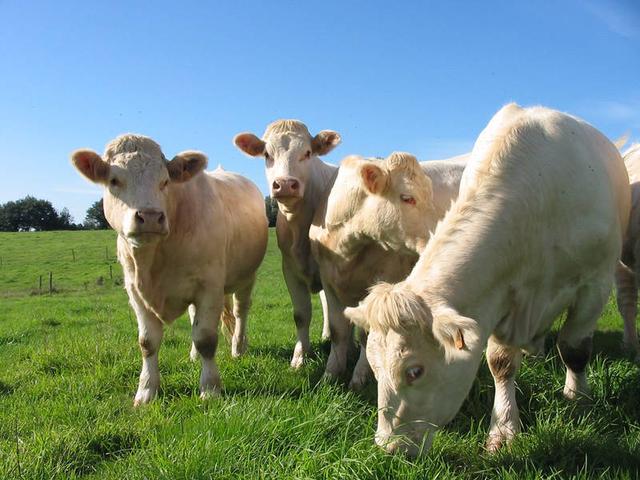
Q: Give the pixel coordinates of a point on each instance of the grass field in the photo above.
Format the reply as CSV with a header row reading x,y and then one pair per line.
x,y
69,365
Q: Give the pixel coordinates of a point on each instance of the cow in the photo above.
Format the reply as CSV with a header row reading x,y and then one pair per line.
x,y
377,218
299,181
627,271
537,227
186,239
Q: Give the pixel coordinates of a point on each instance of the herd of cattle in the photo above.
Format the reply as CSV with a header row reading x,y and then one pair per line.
x,y
436,261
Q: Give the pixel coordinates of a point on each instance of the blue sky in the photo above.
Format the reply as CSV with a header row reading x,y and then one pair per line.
x,y
420,76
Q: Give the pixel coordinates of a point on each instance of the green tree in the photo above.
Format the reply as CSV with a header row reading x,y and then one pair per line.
x,y
95,218
271,206
30,213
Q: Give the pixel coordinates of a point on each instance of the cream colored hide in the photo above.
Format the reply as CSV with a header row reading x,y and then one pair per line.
x,y
629,267
537,228
299,180
185,239
379,215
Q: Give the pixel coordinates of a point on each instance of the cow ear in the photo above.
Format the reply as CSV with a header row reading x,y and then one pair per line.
x,y
249,144
357,316
374,178
457,334
185,165
325,141
91,165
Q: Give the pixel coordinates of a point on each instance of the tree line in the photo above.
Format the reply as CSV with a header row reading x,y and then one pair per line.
x,y
34,214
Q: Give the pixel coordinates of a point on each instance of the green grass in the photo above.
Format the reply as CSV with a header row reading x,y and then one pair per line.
x,y
69,364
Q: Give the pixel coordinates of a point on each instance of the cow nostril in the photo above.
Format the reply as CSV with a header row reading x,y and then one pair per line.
x,y
294,185
139,218
161,218
275,186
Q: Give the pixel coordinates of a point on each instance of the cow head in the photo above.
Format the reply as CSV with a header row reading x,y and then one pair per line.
x,y
137,182
289,151
424,359
388,201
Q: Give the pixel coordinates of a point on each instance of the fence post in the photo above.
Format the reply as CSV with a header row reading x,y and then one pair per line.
x,y
50,282
106,253
40,286
110,272
73,254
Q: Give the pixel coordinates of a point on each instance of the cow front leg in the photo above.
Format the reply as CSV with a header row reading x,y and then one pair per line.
x,y
204,333
362,372
193,354
504,362
341,338
301,300
150,331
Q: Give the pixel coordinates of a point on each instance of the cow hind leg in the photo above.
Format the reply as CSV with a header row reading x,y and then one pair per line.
x,y
241,305
575,337
341,338
204,333
504,362
627,299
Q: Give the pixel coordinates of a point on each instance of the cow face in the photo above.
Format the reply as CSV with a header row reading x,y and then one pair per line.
x,y
424,361
138,181
388,201
289,152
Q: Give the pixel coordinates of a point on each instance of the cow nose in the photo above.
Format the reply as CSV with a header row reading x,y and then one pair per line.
x,y
149,217
293,184
276,186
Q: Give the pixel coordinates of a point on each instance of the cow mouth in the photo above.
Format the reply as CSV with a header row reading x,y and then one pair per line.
x,y
142,238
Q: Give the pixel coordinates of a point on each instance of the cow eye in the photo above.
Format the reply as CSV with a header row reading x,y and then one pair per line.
x,y
267,157
114,182
408,199
164,184
307,154
413,373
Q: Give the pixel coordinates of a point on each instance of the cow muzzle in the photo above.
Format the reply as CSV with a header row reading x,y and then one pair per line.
x,y
286,187
148,223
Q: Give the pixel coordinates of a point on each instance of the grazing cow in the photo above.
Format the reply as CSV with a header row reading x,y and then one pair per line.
x,y
537,228
185,239
299,181
377,219
627,271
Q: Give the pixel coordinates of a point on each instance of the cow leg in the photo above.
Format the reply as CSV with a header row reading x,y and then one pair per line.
x,y
204,333
149,338
575,336
241,305
301,299
193,355
340,337
627,297
362,372
504,362
326,329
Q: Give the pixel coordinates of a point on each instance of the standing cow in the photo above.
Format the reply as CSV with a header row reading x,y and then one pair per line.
x,y
627,272
299,180
377,219
537,227
184,238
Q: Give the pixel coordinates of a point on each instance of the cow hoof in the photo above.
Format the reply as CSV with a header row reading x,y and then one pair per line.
x,y
209,393
495,443
239,347
329,378
358,383
297,361
143,396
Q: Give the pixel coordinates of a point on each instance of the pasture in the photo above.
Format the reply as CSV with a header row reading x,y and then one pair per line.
x,y
69,365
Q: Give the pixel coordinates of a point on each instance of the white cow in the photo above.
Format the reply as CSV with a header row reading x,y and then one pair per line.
x,y
299,180
378,217
537,228
627,272
184,238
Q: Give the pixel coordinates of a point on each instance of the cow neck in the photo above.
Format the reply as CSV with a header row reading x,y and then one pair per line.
x,y
142,260
458,252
